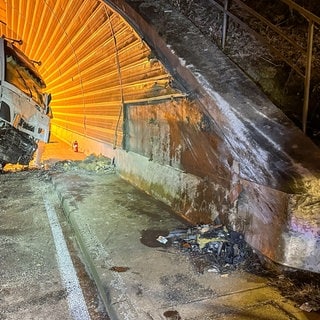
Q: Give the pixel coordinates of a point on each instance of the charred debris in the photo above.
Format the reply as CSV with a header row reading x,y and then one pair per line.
x,y
212,248
218,250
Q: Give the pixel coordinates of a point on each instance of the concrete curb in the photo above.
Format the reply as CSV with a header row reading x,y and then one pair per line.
x,y
69,206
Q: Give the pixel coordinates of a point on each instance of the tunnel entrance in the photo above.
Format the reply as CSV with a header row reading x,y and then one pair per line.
x,y
92,61
142,85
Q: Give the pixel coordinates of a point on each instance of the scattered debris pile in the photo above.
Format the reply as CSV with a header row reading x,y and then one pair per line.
x,y
92,163
213,248
219,250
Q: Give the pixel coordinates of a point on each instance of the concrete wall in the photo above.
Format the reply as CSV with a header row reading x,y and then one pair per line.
x,y
227,152
192,171
174,153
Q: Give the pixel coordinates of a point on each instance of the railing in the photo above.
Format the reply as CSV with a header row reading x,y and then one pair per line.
x,y
312,19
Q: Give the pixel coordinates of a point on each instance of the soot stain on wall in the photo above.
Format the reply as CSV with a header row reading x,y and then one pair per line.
x,y
178,134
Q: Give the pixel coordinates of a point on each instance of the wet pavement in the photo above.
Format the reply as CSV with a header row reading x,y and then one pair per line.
x,y
37,277
41,275
116,226
141,278
138,277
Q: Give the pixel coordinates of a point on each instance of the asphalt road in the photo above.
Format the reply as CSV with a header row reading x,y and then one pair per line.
x,y
41,274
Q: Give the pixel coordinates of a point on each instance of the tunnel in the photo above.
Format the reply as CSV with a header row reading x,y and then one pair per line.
x,y
136,82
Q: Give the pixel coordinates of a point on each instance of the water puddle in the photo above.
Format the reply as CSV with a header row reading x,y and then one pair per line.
x,y
149,237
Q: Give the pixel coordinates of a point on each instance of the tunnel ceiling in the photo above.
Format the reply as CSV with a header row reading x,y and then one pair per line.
x,y
92,60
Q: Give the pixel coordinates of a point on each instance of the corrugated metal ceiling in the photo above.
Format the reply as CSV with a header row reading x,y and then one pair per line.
x,y
92,61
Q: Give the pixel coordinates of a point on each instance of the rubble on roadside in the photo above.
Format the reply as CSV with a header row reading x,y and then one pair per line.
x,y
215,249
91,163
212,248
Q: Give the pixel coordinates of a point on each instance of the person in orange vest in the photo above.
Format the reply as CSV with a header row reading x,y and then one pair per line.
x,y
75,146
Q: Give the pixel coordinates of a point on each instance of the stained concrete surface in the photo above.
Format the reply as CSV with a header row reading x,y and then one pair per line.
x,y
116,226
144,281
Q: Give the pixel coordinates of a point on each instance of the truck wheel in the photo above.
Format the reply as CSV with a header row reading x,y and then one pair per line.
x,y
4,111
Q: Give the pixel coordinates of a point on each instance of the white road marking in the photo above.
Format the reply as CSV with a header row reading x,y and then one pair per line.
x,y
77,305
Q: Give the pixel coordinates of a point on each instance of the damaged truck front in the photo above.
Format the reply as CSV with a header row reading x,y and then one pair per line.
x,y
24,107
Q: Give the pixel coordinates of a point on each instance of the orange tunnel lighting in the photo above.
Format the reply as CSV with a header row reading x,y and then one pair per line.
x,y
92,60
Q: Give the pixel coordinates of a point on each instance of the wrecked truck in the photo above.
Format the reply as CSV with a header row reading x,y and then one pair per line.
x,y
24,106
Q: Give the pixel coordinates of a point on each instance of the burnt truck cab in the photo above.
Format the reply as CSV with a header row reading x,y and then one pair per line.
x,y
24,106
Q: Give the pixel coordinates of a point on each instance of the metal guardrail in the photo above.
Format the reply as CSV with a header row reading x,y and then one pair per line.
x,y
224,5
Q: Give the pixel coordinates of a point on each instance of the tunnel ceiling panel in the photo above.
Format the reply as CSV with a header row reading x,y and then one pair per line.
x,y
92,60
